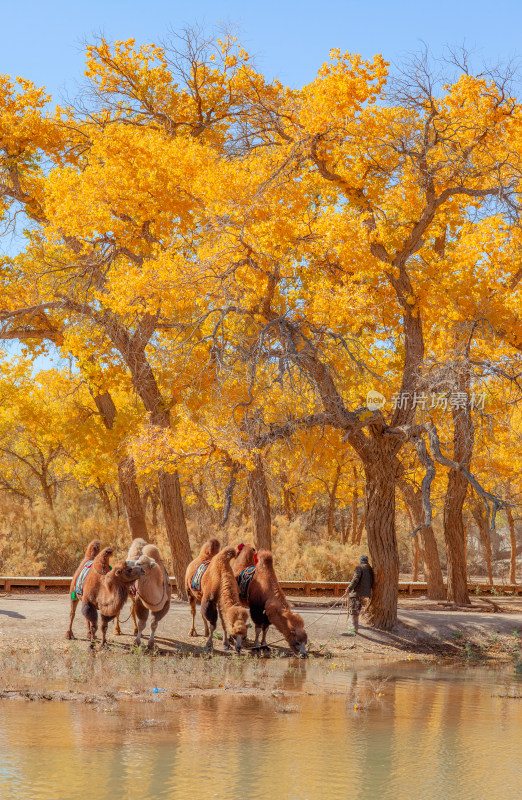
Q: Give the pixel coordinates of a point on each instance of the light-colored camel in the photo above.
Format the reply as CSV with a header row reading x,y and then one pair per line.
x,y
153,592
135,551
194,594
220,595
267,602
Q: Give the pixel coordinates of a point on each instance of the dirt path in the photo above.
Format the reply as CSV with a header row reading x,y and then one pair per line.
x,y
424,627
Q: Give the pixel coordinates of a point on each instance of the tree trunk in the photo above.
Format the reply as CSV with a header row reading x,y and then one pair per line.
x,y
106,500
483,529
360,529
355,502
342,521
229,494
457,487
132,349
46,489
513,543
382,541
415,559
283,479
154,503
176,527
427,543
130,494
331,504
414,548
260,505
454,535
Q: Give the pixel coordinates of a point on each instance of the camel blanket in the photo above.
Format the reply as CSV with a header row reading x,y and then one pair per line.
x,y
196,579
78,586
243,579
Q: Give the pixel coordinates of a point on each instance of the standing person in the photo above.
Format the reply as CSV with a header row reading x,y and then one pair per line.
x,y
360,590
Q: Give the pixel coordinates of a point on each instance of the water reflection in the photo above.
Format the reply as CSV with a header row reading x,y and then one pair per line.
x,y
432,735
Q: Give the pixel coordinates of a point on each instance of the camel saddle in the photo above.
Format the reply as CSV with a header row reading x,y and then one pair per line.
x,y
244,579
196,578
78,586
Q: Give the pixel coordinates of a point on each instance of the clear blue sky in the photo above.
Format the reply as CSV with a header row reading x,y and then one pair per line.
x,y
42,40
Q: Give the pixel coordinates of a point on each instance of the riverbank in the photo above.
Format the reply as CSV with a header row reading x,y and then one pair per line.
x,y
37,662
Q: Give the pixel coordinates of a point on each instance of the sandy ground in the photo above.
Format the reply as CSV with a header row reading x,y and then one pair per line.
x,y
424,627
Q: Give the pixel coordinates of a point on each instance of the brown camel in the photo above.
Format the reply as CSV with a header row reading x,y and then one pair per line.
x,y
268,605
153,592
93,548
193,581
220,595
106,590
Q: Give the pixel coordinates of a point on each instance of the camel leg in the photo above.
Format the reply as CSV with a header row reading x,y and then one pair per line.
x,y
264,645
104,626
261,622
70,634
157,616
226,642
117,629
133,615
192,601
91,615
210,614
142,614
205,623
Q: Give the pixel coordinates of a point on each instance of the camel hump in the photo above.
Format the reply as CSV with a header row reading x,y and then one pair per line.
x,y
151,551
265,559
227,554
136,549
93,548
103,558
210,548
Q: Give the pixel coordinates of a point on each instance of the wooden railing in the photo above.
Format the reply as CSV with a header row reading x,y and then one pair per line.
x,y
296,588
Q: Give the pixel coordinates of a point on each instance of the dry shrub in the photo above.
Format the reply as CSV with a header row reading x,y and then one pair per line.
x,y
37,540
304,555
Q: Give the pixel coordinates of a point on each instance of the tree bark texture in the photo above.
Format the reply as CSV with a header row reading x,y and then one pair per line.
x,y
260,505
483,528
355,503
457,487
332,501
130,494
427,543
513,551
382,541
176,527
129,490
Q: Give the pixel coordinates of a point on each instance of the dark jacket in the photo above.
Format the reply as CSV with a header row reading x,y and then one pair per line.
x,y
362,581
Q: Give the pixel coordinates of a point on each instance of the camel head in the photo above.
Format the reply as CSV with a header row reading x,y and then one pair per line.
x,y
237,625
297,637
247,556
127,573
145,562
